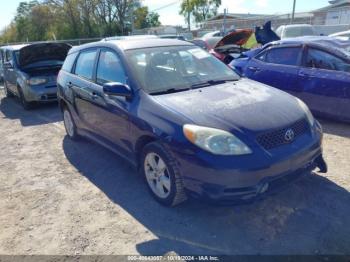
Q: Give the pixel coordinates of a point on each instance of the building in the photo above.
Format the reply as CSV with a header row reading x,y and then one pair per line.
x,y
336,13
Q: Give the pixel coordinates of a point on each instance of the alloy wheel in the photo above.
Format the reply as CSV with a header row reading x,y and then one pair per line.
x,y
157,175
68,123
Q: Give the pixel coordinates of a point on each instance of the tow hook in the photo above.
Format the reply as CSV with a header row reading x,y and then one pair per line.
x,y
321,164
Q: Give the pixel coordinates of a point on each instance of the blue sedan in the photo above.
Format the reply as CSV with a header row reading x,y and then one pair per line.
x,y
191,125
315,69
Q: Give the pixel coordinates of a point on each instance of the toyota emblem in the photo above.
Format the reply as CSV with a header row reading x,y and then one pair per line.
x,y
289,136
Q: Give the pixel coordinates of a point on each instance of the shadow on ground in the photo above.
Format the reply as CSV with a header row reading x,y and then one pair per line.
x,y
335,128
39,115
309,217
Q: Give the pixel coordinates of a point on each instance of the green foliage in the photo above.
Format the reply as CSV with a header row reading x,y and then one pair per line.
x,y
144,19
201,10
69,19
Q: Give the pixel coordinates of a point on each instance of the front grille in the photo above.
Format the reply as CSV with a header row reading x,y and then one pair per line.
x,y
277,138
49,97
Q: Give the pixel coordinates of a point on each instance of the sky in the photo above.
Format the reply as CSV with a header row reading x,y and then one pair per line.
x,y
170,15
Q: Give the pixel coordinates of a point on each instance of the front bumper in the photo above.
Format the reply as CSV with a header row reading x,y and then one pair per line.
x,y
41,93
229,180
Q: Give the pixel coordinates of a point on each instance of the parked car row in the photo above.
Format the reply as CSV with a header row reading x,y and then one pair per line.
x,y
314,69
189,123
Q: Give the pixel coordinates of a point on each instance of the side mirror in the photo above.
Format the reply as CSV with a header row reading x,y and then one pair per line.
x,y
117,89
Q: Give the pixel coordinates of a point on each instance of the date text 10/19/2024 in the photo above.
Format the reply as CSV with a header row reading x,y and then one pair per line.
x,y
172,258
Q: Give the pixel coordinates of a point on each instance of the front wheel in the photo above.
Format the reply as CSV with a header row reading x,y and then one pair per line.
x,y
26,105
71,128
162,175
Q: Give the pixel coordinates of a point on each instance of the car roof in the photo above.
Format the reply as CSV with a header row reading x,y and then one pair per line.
x,y
131,37
128,44
341,33
14,47
297,25
330,43
321,40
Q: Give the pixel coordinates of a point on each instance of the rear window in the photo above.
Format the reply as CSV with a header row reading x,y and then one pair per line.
x,y
85,64
69,62
283,56
323,60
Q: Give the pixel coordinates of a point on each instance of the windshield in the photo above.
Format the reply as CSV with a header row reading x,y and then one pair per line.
x,y
176,68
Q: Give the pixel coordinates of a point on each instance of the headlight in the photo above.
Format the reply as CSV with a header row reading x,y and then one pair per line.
x,y
307,111
216,141
37,81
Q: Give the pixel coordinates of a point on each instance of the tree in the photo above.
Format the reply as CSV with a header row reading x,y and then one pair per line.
x,y
153,19
145,19
200,9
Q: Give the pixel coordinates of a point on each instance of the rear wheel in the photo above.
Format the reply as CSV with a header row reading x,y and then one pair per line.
x,y
26,105
71,128
162,175
7,91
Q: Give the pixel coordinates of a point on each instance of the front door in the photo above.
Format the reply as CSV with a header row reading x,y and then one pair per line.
x,y
111,112
277,67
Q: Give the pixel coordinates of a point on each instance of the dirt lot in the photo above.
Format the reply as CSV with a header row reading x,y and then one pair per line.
x,y
59,197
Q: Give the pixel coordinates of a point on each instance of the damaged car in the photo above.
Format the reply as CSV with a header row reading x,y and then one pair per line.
x,y
30,71
188,122
314,69
234,44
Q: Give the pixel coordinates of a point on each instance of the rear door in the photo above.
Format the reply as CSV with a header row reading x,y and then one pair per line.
x,y
81,86
111,114
277,67
325,79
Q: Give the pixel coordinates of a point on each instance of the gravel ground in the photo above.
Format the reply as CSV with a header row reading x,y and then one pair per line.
x,y
59,197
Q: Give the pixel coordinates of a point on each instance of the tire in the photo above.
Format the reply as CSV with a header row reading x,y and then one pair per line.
x,y
69,124
26,105
8,93
162,175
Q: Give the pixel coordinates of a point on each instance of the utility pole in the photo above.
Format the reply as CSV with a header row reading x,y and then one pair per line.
x,y
293,13
224,25
188,16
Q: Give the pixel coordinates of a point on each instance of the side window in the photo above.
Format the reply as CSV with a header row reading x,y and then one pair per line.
x,y
323,60
69,62
85,64
8,56
283,56
261,56
110,69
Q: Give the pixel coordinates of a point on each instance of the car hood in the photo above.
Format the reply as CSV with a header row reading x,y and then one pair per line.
x,y
243,106
42,52
239,38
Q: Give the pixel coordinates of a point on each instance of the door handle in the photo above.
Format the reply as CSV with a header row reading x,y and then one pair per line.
x,y
70,85
94,95
253,68
302,74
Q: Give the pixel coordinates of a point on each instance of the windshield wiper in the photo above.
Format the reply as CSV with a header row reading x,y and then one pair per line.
x,y
169,91
212,83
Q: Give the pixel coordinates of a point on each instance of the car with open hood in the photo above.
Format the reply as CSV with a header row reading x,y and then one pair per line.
x,y
30,71
315,69
236,42
188,122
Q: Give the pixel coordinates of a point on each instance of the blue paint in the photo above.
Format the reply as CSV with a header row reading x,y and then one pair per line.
x,y
243,107
325,91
